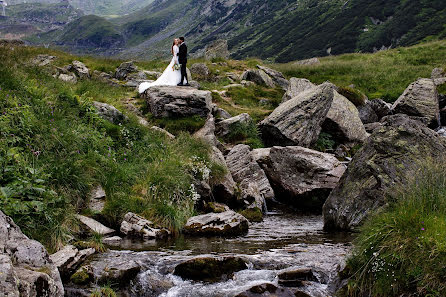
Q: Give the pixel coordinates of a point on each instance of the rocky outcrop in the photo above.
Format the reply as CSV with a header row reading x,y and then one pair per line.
x,y
277,77
109,112
69,78
343,121
217,49
125,69
69,259
296,277
178,102
43,60
137,226
438,73
373,111
90,225
228,223
296,87
389,157
223,128
220,113
207,133
253,184
200,70
299,176
80,69
209,269
420,99
298,122
259,77
267,290
26,268
223,189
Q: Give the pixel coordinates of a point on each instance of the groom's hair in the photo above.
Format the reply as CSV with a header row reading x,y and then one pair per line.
x,y
181,38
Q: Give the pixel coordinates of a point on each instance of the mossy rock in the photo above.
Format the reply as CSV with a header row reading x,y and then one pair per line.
x,y
354,96
209,269
81,277
252,214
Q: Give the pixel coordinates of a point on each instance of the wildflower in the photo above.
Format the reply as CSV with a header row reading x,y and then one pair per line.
x,y
422,229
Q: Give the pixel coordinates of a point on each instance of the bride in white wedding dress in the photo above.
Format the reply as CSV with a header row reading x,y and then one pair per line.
x,y
170,76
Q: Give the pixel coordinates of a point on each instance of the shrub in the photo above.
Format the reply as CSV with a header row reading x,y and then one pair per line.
x,y
325,142
402,250
244,133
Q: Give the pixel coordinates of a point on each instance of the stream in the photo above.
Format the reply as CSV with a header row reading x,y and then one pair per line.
x,y
281,242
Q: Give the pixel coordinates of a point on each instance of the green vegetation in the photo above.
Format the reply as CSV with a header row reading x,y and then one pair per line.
x,y
383,74
80,277
252,214
246,133
54,148
324,143
104,292
402,250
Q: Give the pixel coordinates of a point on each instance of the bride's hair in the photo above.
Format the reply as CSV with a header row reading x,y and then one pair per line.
x,y
174,43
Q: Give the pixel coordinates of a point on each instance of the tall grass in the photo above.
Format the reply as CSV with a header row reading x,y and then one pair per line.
x,y
401,251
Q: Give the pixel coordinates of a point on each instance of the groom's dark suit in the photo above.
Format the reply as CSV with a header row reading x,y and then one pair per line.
x,y
182,59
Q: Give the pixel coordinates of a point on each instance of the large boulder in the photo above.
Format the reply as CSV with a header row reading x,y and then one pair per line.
x,y
207,133
438,73
373,111
90,225
298,121
228,223
420,99
125,69
295,87
252,181
217,49
343,121
43,60
223,128
178,102
26,268
109,112
259,77
80,69
137,226
277,77
299,176
209,269
69,259
389,157
200,70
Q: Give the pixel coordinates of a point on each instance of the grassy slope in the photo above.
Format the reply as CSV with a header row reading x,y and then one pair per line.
x,y
380,75
54,148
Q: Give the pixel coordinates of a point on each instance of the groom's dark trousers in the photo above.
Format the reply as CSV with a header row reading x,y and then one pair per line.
x,y
182,59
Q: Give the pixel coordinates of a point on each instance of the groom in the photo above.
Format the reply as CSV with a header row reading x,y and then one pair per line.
x,y
182,59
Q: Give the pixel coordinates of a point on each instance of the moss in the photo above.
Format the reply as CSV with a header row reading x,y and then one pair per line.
x,y
353,95
80,277
252,214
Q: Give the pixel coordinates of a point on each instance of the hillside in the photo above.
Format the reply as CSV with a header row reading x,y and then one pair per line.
x,y
281,30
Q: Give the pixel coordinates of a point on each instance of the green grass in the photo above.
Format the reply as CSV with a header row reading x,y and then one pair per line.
x,y
54,148
246,133
401,251
383,75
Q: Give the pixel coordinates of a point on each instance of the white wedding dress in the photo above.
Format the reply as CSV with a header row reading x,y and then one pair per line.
x,y
170,76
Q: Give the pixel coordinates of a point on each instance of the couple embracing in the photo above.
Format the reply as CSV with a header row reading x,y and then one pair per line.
x,y
175,74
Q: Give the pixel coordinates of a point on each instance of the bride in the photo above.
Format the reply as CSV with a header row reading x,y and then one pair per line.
x,y
171,76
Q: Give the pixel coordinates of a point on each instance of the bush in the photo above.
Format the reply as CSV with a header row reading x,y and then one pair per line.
x,y
325,142
402,250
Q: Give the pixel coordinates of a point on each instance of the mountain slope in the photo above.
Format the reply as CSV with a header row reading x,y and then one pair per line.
x,y
280,30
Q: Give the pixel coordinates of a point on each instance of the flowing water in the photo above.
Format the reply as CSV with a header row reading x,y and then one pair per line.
x,y
282,241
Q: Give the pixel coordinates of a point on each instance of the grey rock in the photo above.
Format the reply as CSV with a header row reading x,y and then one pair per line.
x,y
420,99
217,49
178,102
106,78
194,84
298,121
109,112
389,157
97,199
92,226
113,241
224,127
207,132
70,78
267,290
220,113
440,81
200,69
136,76
373,111
296,277
163,131
277,77
308,62
228,223
299,176
296,87
370,128
252,181
259,77
233,77
343,121
246,83
223,189
125,69
233,86
21,260
80,69
155,74
438,73
70,258
43,60
137,226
